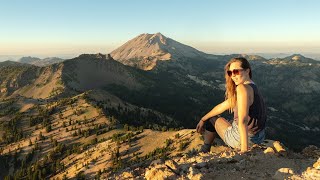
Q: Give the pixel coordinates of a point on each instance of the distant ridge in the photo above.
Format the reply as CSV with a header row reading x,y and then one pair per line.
x,y
301,58
85,72
145,50
12,63
250,57
294,59
40,62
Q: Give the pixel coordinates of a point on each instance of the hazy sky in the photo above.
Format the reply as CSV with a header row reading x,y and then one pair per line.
x,y
62,27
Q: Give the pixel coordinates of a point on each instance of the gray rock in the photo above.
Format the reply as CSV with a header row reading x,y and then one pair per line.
x,y
201,165
283,173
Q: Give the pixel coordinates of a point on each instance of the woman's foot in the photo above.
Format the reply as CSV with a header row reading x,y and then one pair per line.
x,y
205,148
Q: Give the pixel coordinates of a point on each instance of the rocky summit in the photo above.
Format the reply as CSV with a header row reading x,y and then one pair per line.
x,y
268,161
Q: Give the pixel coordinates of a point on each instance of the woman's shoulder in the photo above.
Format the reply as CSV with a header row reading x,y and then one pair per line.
x,y
244,88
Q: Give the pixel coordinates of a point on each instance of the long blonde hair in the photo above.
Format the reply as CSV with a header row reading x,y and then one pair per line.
x,y
230,85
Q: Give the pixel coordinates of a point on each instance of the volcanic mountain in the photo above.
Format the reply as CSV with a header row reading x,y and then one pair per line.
x,y
145,50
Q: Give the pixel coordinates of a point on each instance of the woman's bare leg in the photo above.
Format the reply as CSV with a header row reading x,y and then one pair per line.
x,y
209,137
221,125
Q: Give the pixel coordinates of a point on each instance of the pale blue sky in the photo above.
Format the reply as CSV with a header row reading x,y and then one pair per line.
x,y
61,27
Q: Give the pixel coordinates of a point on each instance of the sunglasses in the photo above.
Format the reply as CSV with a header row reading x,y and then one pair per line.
x,y
235,72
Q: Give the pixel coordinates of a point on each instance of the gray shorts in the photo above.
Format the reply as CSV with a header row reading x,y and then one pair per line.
x,y
232,136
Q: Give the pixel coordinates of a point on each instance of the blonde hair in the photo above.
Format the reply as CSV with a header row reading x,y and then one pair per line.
x,y
230,85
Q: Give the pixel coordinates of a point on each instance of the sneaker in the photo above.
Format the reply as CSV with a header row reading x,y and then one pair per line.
x,y
205,148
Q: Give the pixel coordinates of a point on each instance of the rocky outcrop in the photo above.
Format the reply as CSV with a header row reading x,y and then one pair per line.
x,y
269,161
3,90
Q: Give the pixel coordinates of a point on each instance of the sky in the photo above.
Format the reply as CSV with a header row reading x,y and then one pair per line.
x,y
72,27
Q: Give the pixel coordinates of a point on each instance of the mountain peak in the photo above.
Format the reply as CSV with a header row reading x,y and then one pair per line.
x,y
296,57
158,38
300,58
146,49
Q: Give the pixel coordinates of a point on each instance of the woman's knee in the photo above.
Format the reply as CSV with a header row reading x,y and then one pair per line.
x,y
221,121
213,120
209,124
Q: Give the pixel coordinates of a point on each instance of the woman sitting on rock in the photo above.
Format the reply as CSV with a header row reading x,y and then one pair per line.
x,y
245,101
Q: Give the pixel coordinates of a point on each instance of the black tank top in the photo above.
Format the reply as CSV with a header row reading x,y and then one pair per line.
x,y
257,112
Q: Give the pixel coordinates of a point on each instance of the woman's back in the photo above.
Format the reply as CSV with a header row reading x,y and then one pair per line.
x,y
257,112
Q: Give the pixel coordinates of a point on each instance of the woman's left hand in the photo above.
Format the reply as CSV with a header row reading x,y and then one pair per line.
x,y
200,128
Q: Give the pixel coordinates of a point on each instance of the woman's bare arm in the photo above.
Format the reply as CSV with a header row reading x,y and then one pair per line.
x,y
243,111
218,109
